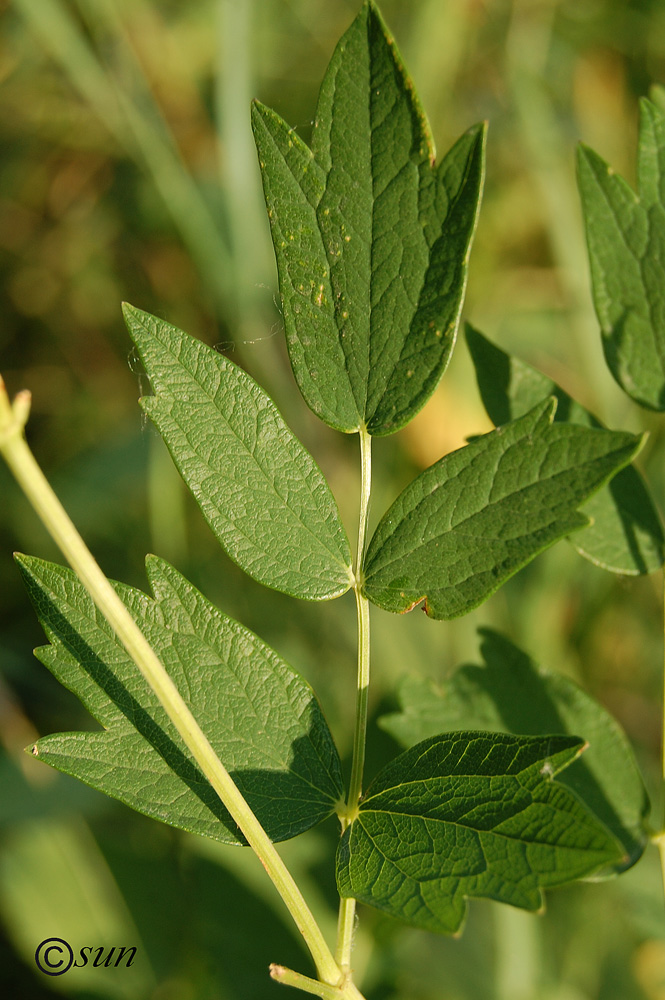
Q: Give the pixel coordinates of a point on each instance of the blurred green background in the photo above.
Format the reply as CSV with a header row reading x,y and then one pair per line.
x,y
128,172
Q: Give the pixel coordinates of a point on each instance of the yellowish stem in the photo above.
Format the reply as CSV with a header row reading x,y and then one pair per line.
x,y
32,481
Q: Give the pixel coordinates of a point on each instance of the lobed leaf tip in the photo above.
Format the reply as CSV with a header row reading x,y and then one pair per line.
x,y
585,153
258,108
23,561
479,129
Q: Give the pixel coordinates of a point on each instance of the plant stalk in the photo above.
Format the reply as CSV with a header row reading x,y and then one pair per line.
x,y
32,481
347,908
290,978
362,606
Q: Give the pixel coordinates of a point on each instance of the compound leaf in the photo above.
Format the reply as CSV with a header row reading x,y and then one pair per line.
x,y
626,240
625,534
512,694
260,491
470,521
260,716
470,814
371,238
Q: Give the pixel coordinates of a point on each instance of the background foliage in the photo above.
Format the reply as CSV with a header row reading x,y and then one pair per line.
x,y
128,172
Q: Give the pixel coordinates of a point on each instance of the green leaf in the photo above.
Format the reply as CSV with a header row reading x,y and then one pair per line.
x,y
470,521
371,239
512,694
626,240
260,716
470,814
260,491
626,535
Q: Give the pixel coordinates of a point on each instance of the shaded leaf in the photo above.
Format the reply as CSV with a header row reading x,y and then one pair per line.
x,y
511,693
470,521
260,491
626,240
626,535
260,716
371,239
470,814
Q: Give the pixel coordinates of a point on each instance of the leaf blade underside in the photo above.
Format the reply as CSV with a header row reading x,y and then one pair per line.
x,y
260,491
261,718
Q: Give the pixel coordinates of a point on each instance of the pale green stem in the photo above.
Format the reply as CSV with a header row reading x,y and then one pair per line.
x,y
290,978
362,605
347,909
355,786
54,517
346,923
